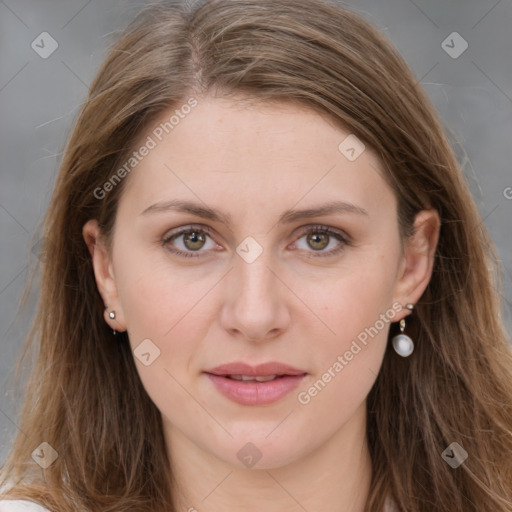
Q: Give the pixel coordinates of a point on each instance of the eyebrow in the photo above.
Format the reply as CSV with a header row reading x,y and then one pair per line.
x,y
287,217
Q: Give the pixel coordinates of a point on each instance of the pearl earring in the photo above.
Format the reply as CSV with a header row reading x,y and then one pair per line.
x,y
402,343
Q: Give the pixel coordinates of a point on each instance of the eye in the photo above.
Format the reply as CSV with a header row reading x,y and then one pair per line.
x,y
193,240
320,237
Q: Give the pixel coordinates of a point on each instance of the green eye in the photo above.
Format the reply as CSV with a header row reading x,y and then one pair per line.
x,y
194,239
320,237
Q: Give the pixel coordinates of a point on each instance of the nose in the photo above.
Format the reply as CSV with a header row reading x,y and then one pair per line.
x,y
255,306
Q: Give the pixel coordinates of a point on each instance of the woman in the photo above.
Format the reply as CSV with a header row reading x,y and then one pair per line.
x,y
266,284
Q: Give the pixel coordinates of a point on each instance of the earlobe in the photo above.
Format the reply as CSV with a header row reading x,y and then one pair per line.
x,y
418,258
103,273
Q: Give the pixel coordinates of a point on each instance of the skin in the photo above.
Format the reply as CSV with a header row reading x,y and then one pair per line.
x,y
289,305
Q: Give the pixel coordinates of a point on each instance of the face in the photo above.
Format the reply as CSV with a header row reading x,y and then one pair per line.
x,y
264,279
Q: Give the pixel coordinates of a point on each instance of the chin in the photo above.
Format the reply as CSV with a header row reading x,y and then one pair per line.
x,y
259,450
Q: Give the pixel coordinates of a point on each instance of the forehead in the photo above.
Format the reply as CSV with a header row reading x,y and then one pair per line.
x,y
224,150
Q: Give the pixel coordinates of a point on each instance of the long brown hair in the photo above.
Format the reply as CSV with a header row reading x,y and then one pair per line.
x,y
84,396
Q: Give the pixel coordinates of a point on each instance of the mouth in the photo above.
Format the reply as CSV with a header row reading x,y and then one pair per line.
x,y
239,370
258,378
255,385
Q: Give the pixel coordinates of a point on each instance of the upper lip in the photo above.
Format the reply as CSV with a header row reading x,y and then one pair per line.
x,y
262,370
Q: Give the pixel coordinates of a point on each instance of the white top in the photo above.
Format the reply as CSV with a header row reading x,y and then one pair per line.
x,y
20,506
389,506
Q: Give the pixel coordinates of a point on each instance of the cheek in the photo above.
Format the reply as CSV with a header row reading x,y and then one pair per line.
x,y
357,308
158,304
361,291
154,295
347,364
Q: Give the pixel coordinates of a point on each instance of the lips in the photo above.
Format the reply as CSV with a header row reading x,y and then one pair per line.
x,y
255,385
261,370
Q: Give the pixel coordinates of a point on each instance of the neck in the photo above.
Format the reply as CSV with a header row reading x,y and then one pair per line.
x,y
334,476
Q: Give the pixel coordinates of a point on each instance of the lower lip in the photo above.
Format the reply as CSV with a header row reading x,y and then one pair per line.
x,y
253,392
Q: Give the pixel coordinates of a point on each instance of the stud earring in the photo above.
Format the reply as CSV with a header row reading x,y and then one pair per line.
x,y
112,315
402,343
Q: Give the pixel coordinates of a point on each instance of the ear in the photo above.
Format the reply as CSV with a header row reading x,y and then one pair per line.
x,y
418,258
104,275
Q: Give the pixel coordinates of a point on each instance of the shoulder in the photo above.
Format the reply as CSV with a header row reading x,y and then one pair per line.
x,y
20,506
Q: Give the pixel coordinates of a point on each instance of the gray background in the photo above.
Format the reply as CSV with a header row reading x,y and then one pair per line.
x,y
39,99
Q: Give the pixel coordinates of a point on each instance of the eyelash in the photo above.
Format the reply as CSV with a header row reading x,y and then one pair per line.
x,y
344,239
